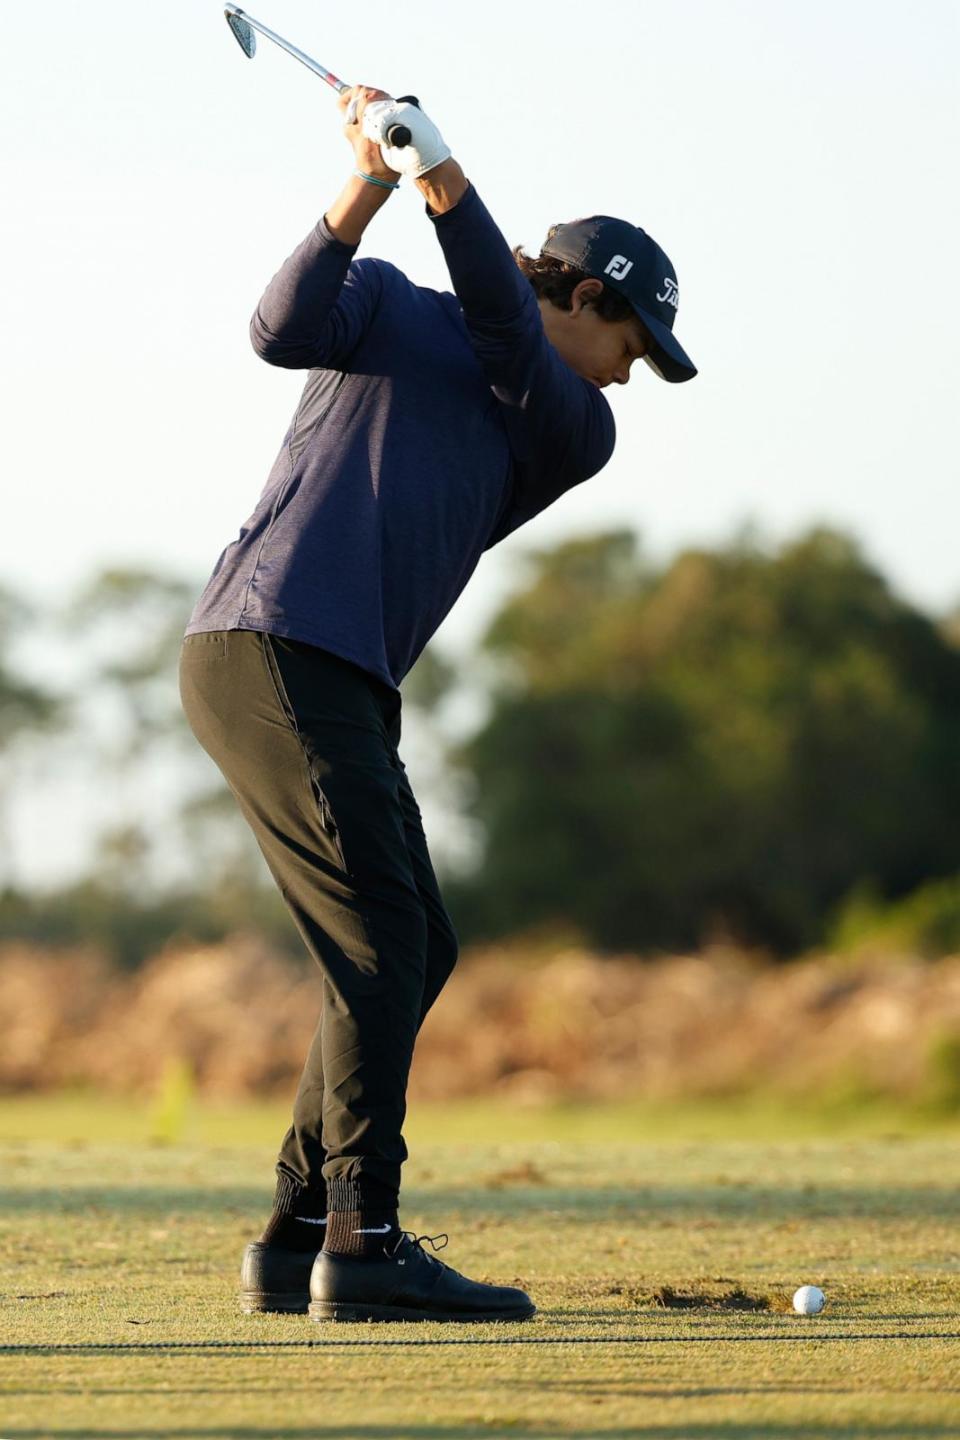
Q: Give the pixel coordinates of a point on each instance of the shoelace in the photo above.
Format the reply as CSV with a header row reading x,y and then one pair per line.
x,y
418,1241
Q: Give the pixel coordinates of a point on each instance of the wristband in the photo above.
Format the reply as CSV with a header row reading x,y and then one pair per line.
x,y
374,180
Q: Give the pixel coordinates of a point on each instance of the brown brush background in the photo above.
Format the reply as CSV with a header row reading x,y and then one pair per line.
x,y
551,1024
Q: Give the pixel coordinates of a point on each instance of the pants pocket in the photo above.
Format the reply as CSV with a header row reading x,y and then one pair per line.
x,y
204,646
321,800
328,820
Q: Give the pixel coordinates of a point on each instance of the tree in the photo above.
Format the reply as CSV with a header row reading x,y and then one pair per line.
x,y
126,716
727,744
25,709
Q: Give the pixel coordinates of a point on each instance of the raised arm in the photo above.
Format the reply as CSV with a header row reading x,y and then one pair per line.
x,y
557,420
499,306
317,307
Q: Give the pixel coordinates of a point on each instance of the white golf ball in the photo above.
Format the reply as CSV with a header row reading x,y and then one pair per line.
x,y
809,1300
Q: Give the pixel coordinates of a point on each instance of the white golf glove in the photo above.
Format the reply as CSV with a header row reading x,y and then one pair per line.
x,y
427,146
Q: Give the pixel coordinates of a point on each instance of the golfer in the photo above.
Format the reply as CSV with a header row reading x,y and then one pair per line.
x,y
431,425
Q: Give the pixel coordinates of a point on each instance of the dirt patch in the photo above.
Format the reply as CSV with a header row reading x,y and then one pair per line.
x,y
666,1298
526,1173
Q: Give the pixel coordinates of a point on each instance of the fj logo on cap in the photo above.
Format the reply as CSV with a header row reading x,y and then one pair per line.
x,y
671,293
619,267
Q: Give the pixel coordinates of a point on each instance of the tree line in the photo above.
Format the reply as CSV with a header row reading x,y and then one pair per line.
x,y
751,743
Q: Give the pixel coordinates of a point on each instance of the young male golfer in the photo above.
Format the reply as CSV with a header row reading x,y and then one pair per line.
x,y
431,425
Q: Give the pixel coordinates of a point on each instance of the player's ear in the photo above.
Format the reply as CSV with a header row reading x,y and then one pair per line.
x,y
583,293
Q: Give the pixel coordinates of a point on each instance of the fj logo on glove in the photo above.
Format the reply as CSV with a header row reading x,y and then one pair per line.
x,y
671,293
619,267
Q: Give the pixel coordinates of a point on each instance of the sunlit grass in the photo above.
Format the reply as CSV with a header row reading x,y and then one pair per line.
x,y
604,1214
79,1116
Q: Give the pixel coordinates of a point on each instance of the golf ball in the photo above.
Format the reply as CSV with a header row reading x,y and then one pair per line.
x,y
809,1300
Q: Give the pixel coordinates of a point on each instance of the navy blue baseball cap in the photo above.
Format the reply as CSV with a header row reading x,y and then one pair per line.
x,y
631,264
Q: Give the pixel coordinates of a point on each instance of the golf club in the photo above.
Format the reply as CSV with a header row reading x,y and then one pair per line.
x,y
243,27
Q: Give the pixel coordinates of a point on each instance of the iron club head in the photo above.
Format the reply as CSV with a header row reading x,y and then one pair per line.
x,y
243,27
246,39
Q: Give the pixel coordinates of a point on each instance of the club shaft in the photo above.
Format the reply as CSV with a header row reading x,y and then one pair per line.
x,y
314,65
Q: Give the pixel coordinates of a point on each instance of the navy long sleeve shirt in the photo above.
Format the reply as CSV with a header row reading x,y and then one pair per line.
x,y
430,426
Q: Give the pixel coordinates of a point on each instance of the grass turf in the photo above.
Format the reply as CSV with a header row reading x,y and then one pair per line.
x,y
661,1246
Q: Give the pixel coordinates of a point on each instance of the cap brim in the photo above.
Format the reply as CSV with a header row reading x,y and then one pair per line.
x,y
666,356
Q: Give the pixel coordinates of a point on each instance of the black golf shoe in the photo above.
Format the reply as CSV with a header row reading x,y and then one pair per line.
x,y
275,1280
407,1284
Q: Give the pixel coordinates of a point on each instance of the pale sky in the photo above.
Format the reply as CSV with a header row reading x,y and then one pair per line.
x,y
796,161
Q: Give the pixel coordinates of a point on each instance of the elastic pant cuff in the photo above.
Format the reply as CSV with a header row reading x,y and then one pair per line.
x,y
365,1196
289,1194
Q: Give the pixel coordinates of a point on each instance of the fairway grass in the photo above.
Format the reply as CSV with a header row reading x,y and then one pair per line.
x,y
118,1312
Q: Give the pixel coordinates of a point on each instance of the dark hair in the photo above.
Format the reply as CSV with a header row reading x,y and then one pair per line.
x,y
556,280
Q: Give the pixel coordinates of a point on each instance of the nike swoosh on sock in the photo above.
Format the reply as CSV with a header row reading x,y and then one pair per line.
x,y
377,1230
309,1220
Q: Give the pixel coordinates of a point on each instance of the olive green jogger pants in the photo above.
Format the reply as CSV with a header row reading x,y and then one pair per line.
x,y
307,742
